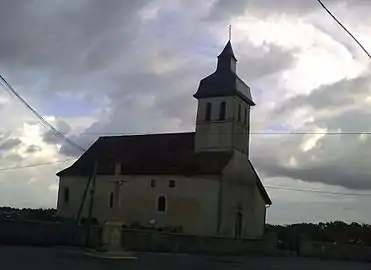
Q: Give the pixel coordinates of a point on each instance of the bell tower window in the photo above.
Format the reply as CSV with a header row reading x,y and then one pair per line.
x,y
245,116
239,113
222,111
208,112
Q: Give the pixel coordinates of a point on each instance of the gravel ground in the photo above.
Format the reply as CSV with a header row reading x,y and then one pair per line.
x,y
17,258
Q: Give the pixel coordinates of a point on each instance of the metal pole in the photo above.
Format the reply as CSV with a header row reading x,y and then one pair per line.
x,y
92,192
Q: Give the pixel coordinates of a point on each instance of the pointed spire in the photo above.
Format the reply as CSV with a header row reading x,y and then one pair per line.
x,y
226,60
228,51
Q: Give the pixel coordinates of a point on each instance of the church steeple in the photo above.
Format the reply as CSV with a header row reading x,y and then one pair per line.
x,y
224,101
227,61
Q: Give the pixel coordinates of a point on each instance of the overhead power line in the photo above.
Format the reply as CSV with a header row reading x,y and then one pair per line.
x,y
346,30
12,91
253,133
318,191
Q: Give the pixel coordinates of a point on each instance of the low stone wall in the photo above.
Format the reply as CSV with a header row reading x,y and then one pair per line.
x,y
335,251
46,234
138,240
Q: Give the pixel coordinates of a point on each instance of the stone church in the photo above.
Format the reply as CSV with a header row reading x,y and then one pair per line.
x,y
200,182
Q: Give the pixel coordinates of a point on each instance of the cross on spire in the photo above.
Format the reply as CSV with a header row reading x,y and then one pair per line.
x,y
230,32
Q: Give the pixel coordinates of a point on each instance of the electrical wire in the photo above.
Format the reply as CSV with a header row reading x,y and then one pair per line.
x,y
252,133
11,90
318,191
346,30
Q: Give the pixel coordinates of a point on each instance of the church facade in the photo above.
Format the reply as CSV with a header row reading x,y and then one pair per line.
x,y
200,182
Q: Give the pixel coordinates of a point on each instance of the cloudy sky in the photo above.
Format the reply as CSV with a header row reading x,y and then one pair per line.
x,y
95,67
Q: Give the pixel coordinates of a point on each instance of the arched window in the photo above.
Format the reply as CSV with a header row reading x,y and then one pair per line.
x,y
66,194
111,200
245,116
239,113
222,111
208,112
161,204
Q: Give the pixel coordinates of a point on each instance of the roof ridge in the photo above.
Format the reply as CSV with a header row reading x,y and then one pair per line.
x,y
148,134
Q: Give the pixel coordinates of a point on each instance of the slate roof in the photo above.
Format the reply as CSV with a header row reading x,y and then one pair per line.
x,y
224,82
168,153
161,154
228,51
221,84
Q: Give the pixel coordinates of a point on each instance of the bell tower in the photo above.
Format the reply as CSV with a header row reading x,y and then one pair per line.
x,y
223,113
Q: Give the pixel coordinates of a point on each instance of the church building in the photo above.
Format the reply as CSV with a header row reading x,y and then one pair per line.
x,y
201,182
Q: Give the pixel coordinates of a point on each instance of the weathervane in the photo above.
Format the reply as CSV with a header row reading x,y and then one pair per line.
x,y
230,32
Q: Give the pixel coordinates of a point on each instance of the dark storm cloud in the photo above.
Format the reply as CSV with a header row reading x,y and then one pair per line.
x,y
64,39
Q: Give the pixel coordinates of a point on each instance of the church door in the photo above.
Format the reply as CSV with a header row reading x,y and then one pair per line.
x,y
238,225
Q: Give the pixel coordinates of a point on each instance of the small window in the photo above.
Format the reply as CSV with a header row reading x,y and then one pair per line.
x,y
239,113
245,116
208,112
172,184
111,200
153,183
66,195
222,110
161,204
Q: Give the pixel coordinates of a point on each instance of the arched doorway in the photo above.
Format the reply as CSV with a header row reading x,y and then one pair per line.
x,y
238,225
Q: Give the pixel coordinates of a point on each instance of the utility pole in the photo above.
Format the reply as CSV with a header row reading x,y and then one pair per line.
x,y
91,204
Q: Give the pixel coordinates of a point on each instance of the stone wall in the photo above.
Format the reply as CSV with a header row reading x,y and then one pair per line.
x,y
46,234
59,234
138,240
335,251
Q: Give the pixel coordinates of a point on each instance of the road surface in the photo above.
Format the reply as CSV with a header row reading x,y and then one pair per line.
x,y
21,258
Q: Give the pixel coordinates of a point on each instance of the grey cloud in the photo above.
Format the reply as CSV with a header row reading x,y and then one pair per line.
x,y
9,144
51,138
13,158
65,39
266,60
335,159
82,140
356,120
223,9
342,93
164,102
33,149
331,174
